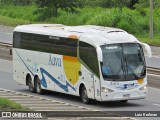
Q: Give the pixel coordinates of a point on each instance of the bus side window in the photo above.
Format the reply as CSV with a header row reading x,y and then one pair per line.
x,y
16,39
88,55
49,44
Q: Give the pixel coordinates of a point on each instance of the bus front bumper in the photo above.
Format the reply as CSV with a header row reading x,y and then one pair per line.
x,y
123,96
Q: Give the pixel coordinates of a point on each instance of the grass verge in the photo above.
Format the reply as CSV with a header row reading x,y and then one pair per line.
x,y
8,105
12,21
154,42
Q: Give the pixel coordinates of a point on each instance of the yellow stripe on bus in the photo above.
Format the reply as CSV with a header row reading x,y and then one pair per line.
x,y
71,67
72,36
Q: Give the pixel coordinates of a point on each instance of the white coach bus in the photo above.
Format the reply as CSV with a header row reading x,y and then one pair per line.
x,y
93,62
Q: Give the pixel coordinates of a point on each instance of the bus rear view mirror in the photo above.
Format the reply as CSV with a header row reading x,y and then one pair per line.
x,y
148,49
99,54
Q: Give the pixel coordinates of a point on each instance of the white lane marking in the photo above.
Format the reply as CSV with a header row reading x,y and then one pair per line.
x,y
153,56
5,49
156,104
2,60
48,99
153,75
6,33
154,88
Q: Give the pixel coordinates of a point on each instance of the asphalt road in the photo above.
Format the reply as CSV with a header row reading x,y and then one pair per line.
x,y
151,103
6,34
154,61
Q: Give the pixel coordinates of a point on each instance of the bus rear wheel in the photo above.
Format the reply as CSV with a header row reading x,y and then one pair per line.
x,y
39,90
31,86
84,95
124,101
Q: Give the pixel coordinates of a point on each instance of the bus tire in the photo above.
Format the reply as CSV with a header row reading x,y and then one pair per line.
x,y
124,101
84,95
39,90
30,85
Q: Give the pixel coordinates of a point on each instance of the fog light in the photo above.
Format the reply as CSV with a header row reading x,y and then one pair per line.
x,y
104,89
143,88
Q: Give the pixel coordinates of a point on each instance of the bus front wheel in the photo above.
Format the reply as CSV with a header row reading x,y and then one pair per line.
x,y
84,95
39,90
124,101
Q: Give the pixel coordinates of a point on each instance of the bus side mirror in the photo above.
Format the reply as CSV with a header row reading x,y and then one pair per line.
x,y
148,49
99,54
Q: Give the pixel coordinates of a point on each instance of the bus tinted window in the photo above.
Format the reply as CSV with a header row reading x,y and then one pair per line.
x,y
88,55
46,43
65,46
16,39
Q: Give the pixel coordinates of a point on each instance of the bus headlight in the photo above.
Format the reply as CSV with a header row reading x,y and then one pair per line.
x,y
143,88
107,90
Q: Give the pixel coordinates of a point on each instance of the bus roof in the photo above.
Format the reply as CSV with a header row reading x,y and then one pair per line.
x,y
92,34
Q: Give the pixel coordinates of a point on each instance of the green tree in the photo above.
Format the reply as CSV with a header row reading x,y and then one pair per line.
x,y
5,2
111,3
22,2
16,2
132,3
49,8
146,3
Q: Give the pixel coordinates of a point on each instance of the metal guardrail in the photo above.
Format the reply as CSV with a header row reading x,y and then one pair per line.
x,y
153,70
6,46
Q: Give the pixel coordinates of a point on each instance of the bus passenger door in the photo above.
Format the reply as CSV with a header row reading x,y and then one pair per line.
x,y
90,85
97,92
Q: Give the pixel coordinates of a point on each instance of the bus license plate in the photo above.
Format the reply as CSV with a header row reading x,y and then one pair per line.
x,y
126,95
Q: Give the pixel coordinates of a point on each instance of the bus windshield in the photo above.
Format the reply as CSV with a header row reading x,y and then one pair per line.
x,y
124,61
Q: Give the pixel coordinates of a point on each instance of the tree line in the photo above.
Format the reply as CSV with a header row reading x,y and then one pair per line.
x,y
51,8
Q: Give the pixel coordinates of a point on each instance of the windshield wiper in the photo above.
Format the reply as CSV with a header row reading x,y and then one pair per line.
x,y
122,66
133,73
127,68
136,77
126,65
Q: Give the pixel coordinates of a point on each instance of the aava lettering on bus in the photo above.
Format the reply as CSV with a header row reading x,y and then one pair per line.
x,y
55,61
